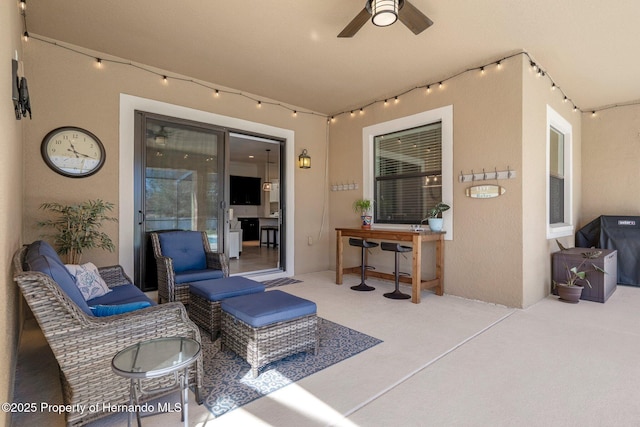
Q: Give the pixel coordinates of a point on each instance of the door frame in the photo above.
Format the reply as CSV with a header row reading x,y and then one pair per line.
x,y
142,251
128,105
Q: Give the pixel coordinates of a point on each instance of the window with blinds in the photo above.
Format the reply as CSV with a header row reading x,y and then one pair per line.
x,y
407,174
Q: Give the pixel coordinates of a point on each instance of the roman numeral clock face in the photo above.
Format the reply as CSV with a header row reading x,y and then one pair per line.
x,y
73,152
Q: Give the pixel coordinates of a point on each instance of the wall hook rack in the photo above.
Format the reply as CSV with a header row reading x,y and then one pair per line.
x,y
486,176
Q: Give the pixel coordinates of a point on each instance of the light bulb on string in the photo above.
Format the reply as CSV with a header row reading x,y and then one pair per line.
x,y
25,36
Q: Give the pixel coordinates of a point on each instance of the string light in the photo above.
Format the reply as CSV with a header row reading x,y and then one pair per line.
x,y
498,63
396,100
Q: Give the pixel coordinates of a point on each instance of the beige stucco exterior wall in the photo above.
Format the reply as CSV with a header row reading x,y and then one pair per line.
x,y
500,252
10,201
611,163
69,90
536,248
484,260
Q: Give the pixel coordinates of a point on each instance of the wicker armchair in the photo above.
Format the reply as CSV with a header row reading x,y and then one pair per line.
x,y
183,257
84,345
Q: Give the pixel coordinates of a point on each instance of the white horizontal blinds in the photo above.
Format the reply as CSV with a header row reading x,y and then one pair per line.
x,y
408,174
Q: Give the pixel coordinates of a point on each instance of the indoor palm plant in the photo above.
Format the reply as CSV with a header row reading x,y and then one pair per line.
x,y
435,216
364,206
77,227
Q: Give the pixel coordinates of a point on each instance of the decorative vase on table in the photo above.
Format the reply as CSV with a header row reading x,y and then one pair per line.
x,y
366,221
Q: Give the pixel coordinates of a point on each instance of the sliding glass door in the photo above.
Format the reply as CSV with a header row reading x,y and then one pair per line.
x,y
179,184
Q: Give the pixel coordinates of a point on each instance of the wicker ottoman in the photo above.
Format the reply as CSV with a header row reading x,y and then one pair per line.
x,y
205,297
263,328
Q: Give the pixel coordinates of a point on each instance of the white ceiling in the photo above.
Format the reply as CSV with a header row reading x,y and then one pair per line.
x,y
287,50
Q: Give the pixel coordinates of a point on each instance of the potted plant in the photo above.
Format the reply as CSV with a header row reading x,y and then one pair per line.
x,y
364,206
571,290
77,227
435,216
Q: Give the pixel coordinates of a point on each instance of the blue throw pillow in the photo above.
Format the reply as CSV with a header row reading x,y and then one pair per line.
x,y
110,310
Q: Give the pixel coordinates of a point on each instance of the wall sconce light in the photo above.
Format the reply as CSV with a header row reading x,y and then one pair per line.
x,y
304,161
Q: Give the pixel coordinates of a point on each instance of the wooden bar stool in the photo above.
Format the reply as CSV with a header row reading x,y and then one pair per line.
x,y
397,248
364,245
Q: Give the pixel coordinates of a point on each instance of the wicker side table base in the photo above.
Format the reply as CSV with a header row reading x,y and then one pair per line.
x,y
261,346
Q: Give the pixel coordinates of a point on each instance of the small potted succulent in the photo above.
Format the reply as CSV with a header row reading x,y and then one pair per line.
x,y
435,216
363,207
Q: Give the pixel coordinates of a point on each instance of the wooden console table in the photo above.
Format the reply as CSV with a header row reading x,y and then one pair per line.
x,y
416,238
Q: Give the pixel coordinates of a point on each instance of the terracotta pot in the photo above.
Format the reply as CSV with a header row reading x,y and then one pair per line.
x,y
570,294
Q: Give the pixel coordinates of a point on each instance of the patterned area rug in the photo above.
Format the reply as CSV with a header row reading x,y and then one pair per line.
x,y
280,282
227,378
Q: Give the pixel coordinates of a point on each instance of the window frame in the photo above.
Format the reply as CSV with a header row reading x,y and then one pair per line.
x,y
560,125
442,114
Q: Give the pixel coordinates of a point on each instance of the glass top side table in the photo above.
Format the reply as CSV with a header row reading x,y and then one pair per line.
x,y
156,358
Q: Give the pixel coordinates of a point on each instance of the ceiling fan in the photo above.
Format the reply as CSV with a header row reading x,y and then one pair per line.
x,y
386,12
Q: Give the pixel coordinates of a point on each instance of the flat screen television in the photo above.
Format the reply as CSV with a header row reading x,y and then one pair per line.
x,y
245,190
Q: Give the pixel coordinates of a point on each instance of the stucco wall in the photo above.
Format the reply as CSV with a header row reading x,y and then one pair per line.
x,y
611,163
484,260
69,90
536,248
10,200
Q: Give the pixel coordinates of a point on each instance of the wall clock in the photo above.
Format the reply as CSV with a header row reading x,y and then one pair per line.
x,y
73,152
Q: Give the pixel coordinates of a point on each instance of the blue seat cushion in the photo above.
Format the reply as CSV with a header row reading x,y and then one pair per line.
x,y
121,295
266,308
185,248
197,275
217,290
110,310
55,269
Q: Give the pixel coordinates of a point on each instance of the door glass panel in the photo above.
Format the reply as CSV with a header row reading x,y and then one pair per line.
x,y
181,179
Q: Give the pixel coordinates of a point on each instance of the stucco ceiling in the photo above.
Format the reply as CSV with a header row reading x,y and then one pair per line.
x,y
287,50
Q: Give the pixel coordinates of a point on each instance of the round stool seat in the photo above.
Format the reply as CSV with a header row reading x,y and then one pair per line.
x,y
362,243
395,247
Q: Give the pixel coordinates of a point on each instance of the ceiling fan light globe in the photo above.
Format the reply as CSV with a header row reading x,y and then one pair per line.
x,y
384,12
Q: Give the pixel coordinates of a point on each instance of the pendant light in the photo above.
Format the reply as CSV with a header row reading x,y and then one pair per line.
x,y
266,186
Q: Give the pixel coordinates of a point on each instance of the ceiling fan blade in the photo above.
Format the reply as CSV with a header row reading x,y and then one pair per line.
x,y
352,28
415,20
